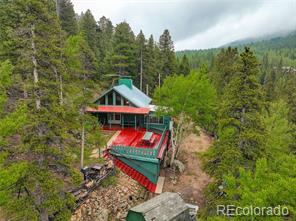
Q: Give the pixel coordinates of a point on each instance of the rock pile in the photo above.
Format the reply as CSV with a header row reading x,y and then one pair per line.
x,y
112,202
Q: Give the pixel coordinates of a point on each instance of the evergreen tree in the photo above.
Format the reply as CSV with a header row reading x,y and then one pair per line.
x,y
105,37
106,31
241,130
184,66
89,28
151,65
124,51
81,84
141,60
167,55
273,182
36,192
67,16
225,68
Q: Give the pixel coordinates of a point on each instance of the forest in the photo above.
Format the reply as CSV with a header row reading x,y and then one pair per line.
x,y
53,63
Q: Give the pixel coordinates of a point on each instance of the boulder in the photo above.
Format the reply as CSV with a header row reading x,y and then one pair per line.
x,y
179,165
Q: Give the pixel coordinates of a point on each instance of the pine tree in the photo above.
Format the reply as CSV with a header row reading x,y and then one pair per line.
x,y
105,37
90,29
141,59
225,68
151,65
67,16
124,51
241,130
167,55
184,67
81,84
106,31
37,192
272,182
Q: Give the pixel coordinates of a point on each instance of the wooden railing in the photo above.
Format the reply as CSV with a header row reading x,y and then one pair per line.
x,y
138,151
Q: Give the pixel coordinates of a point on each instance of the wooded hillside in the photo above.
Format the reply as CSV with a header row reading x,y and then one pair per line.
x,y
53,63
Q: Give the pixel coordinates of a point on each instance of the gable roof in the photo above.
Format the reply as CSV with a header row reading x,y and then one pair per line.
x,y
133,94
165,206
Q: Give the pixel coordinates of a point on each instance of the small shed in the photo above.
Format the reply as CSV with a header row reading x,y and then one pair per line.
x,y
164,207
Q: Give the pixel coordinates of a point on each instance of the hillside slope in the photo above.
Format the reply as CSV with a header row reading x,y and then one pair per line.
x,y
279,50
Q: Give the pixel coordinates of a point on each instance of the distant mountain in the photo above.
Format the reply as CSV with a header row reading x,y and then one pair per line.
x,y
258,39
278,49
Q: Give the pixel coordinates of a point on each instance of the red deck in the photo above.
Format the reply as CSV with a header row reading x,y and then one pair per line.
x,y
133,138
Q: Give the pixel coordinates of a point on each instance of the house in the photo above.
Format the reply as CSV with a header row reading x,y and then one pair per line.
x,y
164,207
143,138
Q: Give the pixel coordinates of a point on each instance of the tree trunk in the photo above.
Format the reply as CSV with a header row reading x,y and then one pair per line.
x,y
35,70
159,80
57,8
61,90
173,148
82,146
59,79
176,134
43,215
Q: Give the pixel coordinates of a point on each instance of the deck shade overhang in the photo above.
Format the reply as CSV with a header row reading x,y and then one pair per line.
x,y
118,109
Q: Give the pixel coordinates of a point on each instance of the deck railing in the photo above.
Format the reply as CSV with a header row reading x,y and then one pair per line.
x,y
138,151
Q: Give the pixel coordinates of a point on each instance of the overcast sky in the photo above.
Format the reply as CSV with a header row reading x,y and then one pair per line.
x,y
198,24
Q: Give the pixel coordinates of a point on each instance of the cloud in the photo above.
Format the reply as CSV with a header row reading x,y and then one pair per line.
x,y
273,17
198,23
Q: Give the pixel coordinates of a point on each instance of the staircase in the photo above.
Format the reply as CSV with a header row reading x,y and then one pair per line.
x,y
140,178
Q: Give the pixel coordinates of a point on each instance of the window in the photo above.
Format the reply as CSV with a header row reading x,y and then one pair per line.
x,y
126,102
110,98
155,120
118,99
102,101
117,117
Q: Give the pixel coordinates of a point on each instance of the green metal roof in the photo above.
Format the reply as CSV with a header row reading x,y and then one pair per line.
x,y
164,207
126,89
134,95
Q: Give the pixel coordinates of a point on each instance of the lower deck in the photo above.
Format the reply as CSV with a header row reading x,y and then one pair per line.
x,y
134,138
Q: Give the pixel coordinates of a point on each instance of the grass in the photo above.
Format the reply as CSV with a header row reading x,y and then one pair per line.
x,y
110,181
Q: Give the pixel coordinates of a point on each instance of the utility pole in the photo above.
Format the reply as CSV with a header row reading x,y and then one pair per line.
x,y
141,70
147,89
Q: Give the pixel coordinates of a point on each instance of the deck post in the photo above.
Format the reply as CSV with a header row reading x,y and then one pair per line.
x,y
135,122
110,120
122,121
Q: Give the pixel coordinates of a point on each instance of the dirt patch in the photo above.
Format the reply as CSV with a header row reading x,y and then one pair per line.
x,y
191,183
